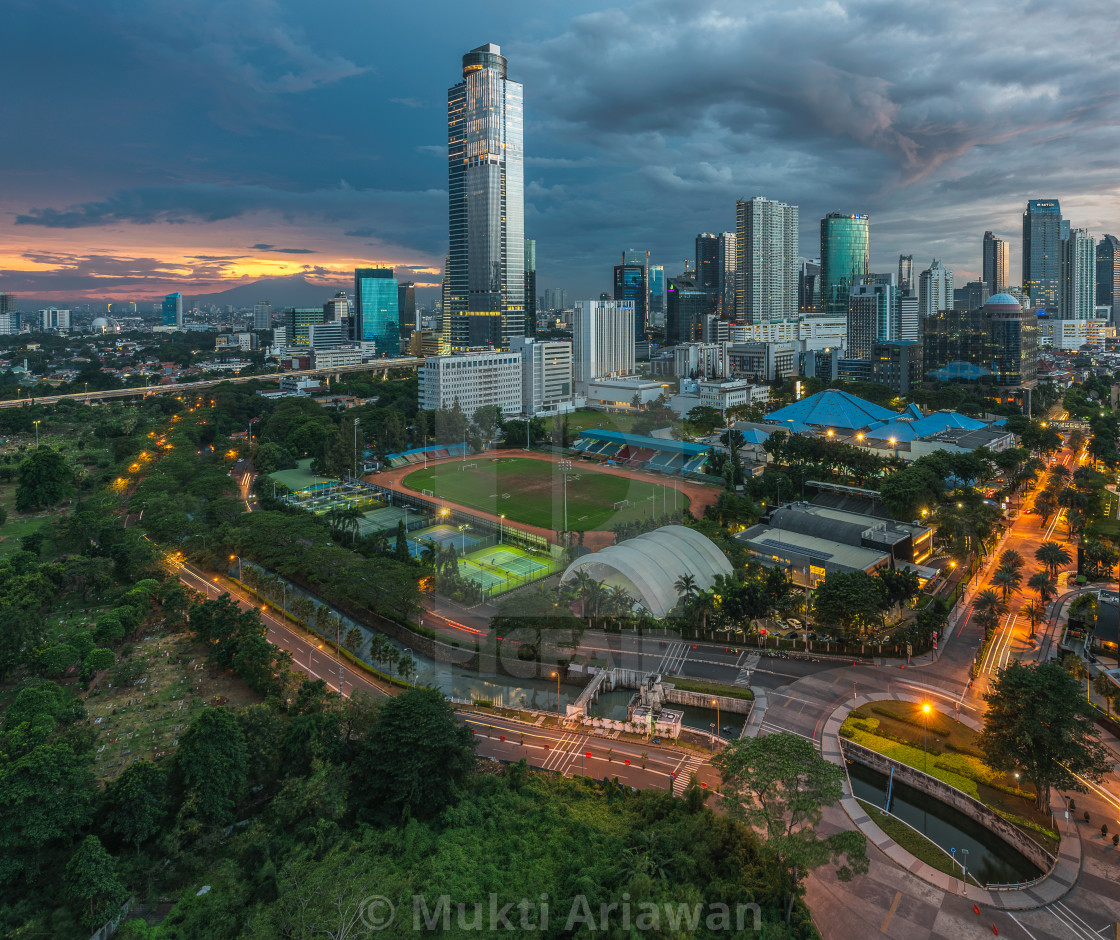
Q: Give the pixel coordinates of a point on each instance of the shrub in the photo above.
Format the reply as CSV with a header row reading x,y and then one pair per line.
x,y
109,630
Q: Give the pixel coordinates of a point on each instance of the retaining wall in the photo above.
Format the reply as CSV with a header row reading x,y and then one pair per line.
x,y
737,706
951,796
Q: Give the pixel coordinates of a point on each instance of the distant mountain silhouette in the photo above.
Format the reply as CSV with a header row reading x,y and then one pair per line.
x,y
292,291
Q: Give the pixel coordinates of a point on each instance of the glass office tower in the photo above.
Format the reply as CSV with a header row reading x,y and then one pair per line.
x,y
173,310
630,284
376,313
1042,253
486,209
845,258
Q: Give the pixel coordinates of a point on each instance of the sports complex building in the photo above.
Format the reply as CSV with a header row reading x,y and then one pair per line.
x,y
659,455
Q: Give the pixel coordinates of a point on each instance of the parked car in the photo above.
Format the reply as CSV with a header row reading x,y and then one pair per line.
x,y
792,635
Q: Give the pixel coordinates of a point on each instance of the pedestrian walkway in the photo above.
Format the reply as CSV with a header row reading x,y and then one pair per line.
x,y
754,724
1051,887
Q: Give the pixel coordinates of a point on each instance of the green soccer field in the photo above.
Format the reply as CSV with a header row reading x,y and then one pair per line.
x,y
531,491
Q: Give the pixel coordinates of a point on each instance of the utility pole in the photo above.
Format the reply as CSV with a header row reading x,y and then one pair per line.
x,y
356,448
565,466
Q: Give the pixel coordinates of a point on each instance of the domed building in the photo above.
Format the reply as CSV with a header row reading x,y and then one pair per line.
x,y
1003,305
105,325
648,566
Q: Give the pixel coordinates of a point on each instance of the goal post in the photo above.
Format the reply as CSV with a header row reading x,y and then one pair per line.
x,y
622,504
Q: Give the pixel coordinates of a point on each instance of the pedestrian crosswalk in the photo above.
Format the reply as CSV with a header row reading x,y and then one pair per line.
x,y
685,769
673,660
749,666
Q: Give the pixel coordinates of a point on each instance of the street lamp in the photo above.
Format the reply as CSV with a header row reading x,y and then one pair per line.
x,y
556,676
238,557
715,702
36,423
501,521
925,737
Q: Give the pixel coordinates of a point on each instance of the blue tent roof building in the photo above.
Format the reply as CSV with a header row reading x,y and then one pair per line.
x,y
831,408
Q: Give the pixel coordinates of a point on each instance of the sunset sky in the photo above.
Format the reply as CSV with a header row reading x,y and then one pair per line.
x,y
193,145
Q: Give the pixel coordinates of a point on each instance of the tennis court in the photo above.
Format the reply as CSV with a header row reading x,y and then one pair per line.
x,y
382,520
480,576
443,536
518,565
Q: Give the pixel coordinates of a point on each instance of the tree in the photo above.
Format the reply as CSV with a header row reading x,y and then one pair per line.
x,y
211,766
989,606
1008,579
353,640
851,600
1054,556
1040,581
134,803
1035,613
44,480
779,784
416,757
91,880
1039,723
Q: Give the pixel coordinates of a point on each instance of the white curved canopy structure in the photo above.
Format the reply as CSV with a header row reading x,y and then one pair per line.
x,y
648,565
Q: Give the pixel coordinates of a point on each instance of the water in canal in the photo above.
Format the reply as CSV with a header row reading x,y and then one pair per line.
x,y
613,705
990,859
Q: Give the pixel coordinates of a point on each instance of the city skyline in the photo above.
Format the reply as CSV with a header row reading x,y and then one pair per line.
x,y
185,160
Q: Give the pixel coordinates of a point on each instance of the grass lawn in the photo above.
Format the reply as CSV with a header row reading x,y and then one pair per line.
x,y
895,730
18,524
531,491
913,841
1108,525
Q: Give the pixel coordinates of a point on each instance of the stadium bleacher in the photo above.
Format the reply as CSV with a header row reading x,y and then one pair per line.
x,y
635,450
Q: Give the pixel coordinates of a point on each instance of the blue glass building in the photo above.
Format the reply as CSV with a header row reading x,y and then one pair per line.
x,y
377,311
173,310
1042,252
845,258
630,284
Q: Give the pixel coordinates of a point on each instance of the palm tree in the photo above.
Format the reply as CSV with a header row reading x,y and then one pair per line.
x,y
303,608
1040,581
686,586
1054,556
1034,612
989,607
1011,559
1045,505
430,553
581,582
377,647
1008,579
1059,473
619,601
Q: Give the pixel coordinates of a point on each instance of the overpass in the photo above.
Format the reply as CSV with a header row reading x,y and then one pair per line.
x,y
174,388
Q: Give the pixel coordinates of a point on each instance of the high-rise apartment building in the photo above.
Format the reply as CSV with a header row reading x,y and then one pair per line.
x,y
530,286
906,273
935,289
728,265
707,268
767,254
602,340
1079,272
972,296
376,314
1108,273
337,310
1042,253
996,271
486,208
54,319
872,314
845,258
7,303
555,299
631,282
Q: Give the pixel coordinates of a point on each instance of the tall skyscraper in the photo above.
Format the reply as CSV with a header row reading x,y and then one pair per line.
x,y
173,310
486,209
935,289
996,272
845,258
872,314
809,286
337,310
8,303
406,308
631,282
707,268
376,314
766,244
906,273
1079,271
1108,273
530,286
728,265
602,340
657,295
1042,253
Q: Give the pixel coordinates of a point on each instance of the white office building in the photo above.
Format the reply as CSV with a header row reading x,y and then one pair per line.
x,y
329,335
732,393
812,331
546,375
338,356
472,378
54,319
602,340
